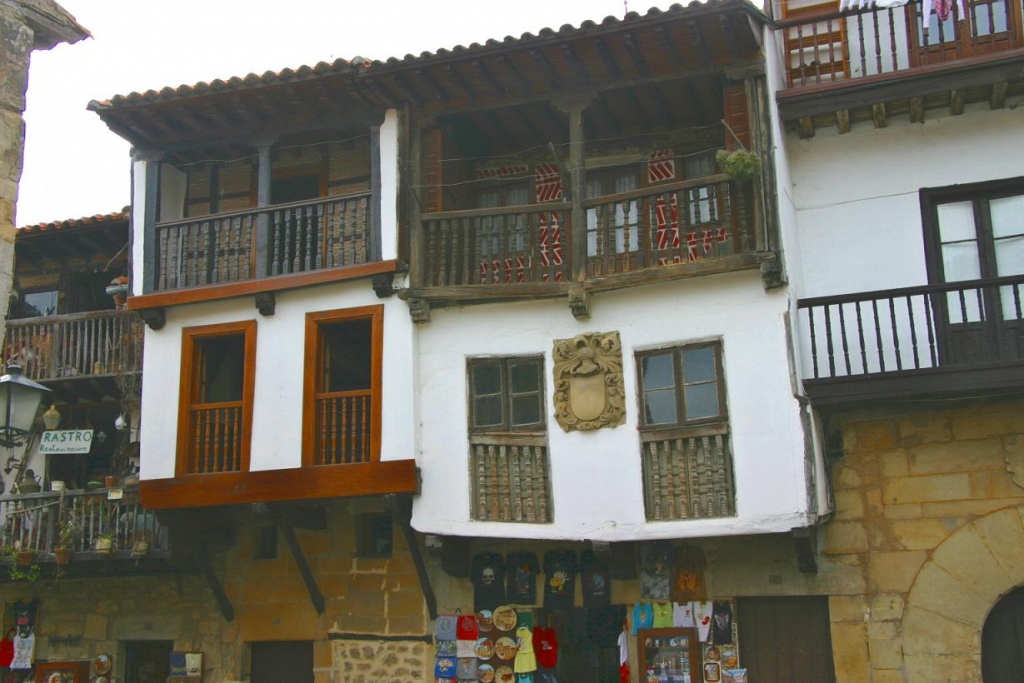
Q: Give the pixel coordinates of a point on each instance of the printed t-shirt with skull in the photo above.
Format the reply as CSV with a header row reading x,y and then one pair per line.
x,y
559,579
522,569
488,576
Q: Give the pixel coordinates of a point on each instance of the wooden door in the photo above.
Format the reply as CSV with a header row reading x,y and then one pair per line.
x,y
1002,641
284,660
147,661
786,639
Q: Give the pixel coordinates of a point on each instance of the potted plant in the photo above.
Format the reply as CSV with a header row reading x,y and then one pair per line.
x,y
18,571
105,543
67,535
739,164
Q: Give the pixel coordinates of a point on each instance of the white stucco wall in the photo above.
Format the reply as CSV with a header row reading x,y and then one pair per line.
x,y
137,223
280,341
596,476
389,184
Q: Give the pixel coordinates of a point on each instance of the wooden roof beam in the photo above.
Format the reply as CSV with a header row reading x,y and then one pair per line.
x,y
541,60
636,54
494,121
607,58
440,94
460,81
634,102
666,110
730,35
514,74
703,52
668,45
488,77
604,110
407,90
878,114
575,62
535,132
381,92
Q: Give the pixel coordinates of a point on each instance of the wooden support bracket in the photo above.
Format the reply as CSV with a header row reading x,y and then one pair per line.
x,y
878,114
401,511
203,559
315,596
843,121
917,110
997,98
383,285
956,102
579,302
806,127
153,317
266,303
805,539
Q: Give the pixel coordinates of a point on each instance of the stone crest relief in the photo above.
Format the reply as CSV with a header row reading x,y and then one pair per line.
x,y
588,381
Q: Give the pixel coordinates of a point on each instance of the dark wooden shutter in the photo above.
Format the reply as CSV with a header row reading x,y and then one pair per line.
x,y
734,102
786,639
433,176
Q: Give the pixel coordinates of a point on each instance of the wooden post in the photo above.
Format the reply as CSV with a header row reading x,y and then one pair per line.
x,y
577,170
374,225
417,245
263,177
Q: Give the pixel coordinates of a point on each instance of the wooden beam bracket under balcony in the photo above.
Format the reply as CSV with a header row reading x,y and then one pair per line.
x,y
401,511
315,596
805,541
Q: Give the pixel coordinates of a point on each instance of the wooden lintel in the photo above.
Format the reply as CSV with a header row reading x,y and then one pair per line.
x,y
542,61
401,511
917,110
607,58
843,121
667,45
203,559
806,127
635,53
463,84
878,114
297,516
804,538
956,102
439,92
997,98
315,596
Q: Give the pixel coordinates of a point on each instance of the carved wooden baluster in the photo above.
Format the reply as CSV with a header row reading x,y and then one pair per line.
x,y
542,485
707,475
492,484
444,253
668,479
504,484
652,458
366,428
481,480
517,486
528,493
682,477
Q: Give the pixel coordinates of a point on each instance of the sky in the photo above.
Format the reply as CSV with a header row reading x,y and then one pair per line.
x,y
75,167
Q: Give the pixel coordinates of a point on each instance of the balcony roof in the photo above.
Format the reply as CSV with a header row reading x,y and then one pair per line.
x,y
75,243
100,219
698,38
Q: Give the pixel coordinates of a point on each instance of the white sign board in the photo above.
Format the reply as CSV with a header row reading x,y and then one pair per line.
x,y
66,441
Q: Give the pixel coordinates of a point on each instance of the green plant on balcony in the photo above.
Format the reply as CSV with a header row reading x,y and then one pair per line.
x,y
105,542
22,565
67,536
739,164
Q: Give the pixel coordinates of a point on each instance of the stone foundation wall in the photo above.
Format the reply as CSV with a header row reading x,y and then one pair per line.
x,y
378,597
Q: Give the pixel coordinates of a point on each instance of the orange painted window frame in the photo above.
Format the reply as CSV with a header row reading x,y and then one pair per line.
x,y
190,385
311,371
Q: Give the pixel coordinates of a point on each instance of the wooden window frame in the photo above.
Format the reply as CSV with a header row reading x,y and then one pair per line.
x,y
190,384
312,370
679,383
506,426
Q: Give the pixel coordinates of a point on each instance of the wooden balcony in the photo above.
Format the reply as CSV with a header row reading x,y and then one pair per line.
x,y
511,479
688,474
32,522
669,231
90,348
846,66
961,338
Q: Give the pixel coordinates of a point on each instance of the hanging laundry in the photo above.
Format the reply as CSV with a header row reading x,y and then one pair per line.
x,y
942,9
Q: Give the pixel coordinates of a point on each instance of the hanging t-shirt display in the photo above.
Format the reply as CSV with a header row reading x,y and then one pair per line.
x,y
656,566
488,576
721,623
545,646
559,579
596,581
521,570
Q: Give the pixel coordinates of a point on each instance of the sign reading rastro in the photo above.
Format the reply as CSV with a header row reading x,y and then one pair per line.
x,y
66,441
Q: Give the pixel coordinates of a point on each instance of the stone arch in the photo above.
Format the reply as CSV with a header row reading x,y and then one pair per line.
x,y
953,594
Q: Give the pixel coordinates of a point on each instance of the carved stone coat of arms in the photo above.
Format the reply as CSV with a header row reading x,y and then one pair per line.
x,y
588,381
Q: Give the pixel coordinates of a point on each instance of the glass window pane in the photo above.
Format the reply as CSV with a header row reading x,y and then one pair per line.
x,y
346,357
699,365
41,303
486,379
660,407
517,196
525,410
1007,216
960,262
222,366
1010,255
657,371
524,377
701,401
956,221
487,411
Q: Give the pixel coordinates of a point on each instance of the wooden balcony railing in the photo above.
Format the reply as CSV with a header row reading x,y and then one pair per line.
x,y
914,329
332,232
511,479
830,46
33,521
497,246
74,345
681,222
342,428
688,475
215,437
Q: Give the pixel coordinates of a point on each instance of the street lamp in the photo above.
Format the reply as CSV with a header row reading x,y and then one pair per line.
x,y
19,402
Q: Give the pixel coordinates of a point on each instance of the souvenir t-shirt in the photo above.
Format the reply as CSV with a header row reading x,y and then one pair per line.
x,y
721,623
597,585
545,646
643,616
656,567
559,579
662,614
488,576
521,570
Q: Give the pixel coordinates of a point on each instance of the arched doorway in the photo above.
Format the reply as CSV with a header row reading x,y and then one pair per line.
x,y
1002,640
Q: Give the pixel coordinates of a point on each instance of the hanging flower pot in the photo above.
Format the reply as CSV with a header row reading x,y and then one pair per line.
x,y
25,557
140,548
104,545
63,556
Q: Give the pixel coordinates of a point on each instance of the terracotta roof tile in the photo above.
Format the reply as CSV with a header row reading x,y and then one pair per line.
x,y
98,219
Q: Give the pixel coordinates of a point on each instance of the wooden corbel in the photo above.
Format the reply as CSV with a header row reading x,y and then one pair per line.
x,y
401,510
155,318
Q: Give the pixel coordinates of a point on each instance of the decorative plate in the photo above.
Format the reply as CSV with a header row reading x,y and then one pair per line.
x,y
485,672
484,648
711,654
730,660
505,648
504,674
484,620
505,618
101,664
